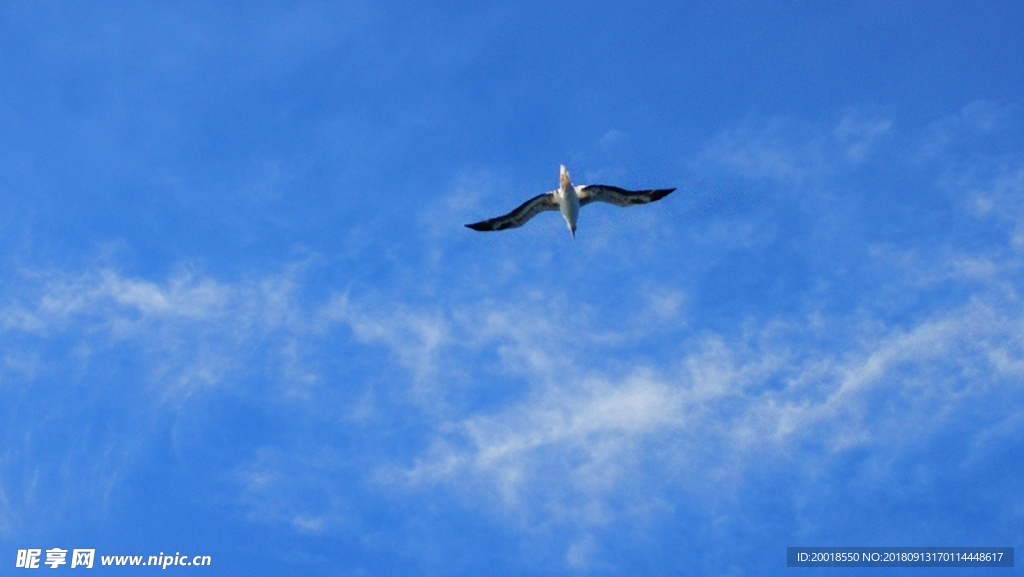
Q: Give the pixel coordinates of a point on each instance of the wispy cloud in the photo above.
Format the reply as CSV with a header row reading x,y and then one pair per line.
x,y
734,399
857,135
415,336
79,345
187,315
789,151
947,138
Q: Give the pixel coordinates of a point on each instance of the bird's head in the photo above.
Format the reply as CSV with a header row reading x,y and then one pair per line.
x,y
563,177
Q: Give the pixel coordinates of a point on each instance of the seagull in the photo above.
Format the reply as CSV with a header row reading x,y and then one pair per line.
x,y
568,199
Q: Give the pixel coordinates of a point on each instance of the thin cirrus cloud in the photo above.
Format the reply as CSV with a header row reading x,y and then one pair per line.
x,y
727,402
81,347
792,151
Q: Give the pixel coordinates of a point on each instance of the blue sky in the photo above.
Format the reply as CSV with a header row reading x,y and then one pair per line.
x,y
240,315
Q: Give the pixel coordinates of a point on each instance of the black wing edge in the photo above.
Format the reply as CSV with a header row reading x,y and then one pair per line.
x,y
659,193
655,194
489,224
486,226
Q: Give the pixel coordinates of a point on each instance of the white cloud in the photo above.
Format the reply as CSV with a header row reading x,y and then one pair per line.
x,y
1000,198
944,136
101,342
664,304
613,138
108,300
295,486
580,554
182,296
766,152
197,331
414,336
857,135
792,152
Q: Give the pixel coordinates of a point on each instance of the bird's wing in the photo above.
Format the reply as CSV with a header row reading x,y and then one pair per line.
x,y
520,215
618,196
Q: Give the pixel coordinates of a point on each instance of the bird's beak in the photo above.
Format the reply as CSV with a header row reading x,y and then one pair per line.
x,y
573,231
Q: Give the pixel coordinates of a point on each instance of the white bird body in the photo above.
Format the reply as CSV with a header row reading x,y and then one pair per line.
x,y
568,199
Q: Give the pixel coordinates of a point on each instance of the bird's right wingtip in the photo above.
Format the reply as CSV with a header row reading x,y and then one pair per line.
x,y
660,194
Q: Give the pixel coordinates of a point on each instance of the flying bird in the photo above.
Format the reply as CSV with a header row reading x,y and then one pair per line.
x,y
568,200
